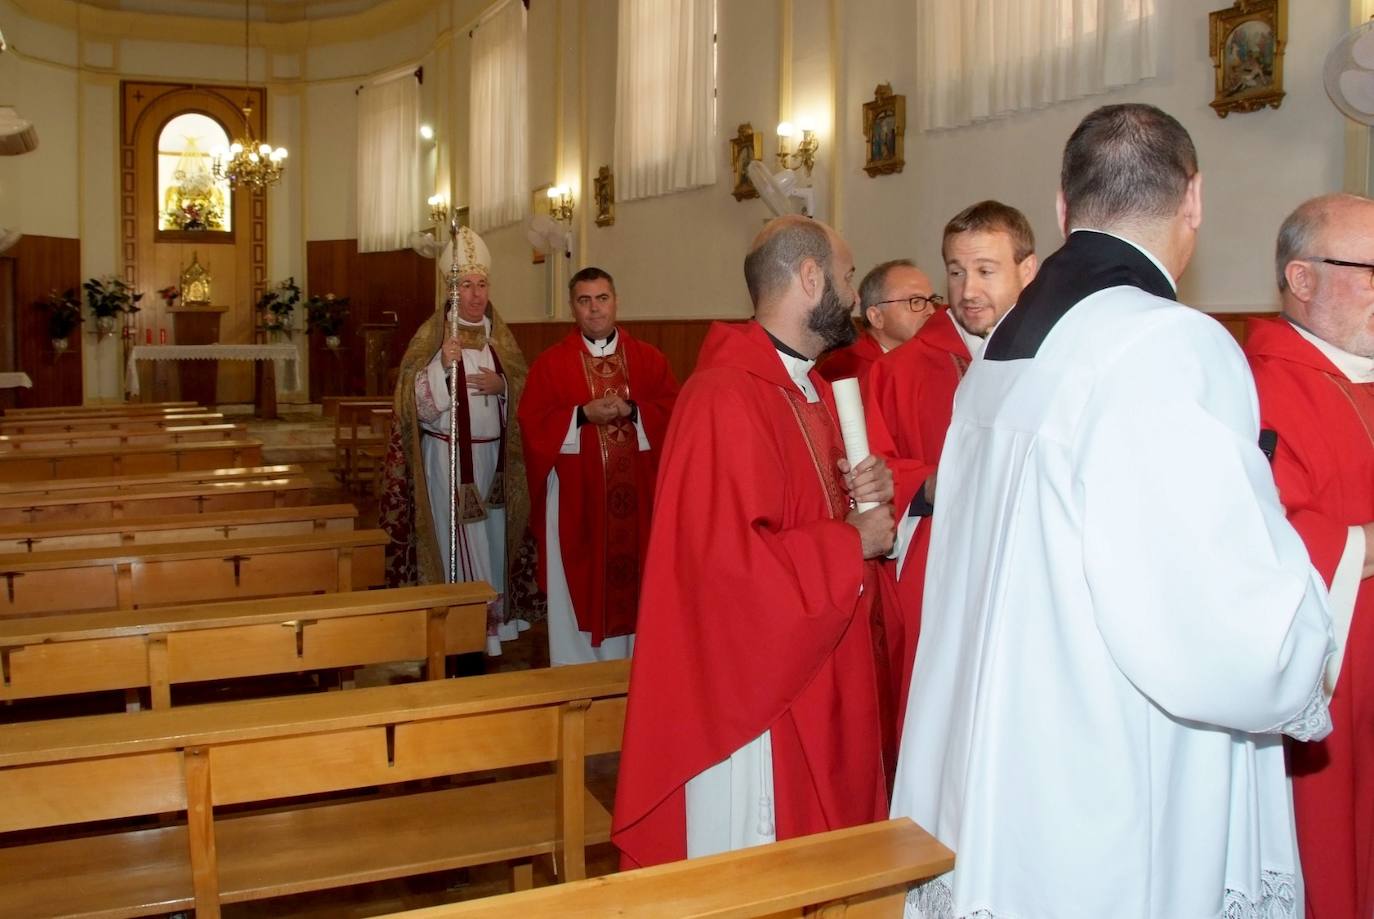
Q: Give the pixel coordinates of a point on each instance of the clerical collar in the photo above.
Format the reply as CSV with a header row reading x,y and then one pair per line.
x,y
1130,242
1353,367
479,324
601,347
786,349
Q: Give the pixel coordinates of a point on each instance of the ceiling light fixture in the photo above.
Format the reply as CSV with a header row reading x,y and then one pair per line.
x,y
247,161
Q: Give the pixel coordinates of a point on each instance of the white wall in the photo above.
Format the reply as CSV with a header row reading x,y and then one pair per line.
x,y
678,255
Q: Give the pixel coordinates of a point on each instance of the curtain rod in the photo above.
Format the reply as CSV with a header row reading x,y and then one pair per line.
x,y
418,73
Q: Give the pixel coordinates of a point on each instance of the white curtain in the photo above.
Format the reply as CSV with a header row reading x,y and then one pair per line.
x,y
389,196
498,138
665,137
982,58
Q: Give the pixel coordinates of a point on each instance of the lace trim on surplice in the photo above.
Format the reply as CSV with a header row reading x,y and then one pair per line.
x,y
1278,899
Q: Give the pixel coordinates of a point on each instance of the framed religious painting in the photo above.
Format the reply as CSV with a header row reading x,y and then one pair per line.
x,y
884,132
1247,43
603,192
745,147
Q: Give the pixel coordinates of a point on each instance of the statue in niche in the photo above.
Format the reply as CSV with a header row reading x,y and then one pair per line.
x,y
194,201
195,284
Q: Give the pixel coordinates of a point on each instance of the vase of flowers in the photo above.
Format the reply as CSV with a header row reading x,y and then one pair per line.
x,y
169,295
64,315
109,298
327,315
276,306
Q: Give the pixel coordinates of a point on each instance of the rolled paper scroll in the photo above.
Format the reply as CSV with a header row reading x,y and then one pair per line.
x,y
849,405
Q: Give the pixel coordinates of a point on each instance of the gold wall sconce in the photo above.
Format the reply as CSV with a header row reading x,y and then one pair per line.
x,y
561,203
804,156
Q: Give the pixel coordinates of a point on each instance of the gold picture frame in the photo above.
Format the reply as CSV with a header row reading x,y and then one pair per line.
x,y
884,132
745,147
1247,43
603,191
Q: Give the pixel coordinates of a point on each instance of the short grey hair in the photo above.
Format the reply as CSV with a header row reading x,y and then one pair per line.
x,y
1298,235
874,284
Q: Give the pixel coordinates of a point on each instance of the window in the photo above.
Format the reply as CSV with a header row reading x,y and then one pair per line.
x,y
189,198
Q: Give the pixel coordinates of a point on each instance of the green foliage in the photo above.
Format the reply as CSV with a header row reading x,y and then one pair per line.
x,y
110,296
326,313
64,312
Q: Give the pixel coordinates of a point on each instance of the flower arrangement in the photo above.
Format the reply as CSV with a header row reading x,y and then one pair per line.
x,y
169,294
194,214
327,313
108,297
64,313
277,304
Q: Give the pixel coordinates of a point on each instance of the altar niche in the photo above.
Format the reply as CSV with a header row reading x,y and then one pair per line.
x,y
172,208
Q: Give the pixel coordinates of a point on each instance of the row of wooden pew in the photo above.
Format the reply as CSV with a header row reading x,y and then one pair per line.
x,y
118,575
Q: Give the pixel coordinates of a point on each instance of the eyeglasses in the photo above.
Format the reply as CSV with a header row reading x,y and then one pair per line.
x,y
917,304
1335,261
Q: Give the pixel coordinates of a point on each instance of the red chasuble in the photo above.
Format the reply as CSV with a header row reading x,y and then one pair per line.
x,y
852,361
909,403
605,490
1324,467
752,616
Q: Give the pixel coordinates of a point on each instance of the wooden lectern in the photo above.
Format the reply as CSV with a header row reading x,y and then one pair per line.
x,y
197,325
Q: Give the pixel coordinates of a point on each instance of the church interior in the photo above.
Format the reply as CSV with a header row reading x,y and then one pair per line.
x,y
270,181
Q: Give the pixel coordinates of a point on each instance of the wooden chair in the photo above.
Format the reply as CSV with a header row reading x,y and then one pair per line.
x,y
862,872
115,502
201,759
155,649
142,531
352,433
170,434
144,422
81,462
189,477
161,575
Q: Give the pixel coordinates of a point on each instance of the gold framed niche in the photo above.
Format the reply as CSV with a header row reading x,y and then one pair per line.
x,y
191,204
1247,42
745,147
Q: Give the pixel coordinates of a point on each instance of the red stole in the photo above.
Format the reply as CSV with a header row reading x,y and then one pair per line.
x,y
619,447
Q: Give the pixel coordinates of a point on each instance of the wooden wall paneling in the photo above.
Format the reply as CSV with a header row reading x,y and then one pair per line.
x,y
678,339
41,264
376,283
238,265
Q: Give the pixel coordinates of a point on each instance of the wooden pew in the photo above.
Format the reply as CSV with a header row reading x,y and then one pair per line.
x,y
199,759
190,477
107,423
74,580
119,408
171,434
862,871
83,462
115,503
141,531
92,652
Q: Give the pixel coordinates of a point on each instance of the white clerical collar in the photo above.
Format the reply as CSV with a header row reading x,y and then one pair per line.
x,y
798,369
1141,249
1356,369
484,323
974,343
601,347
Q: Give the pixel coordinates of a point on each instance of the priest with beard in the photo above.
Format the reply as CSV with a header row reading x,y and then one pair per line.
x,y
753,711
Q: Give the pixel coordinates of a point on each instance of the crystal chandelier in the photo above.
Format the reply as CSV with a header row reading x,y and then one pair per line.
x,y
247,161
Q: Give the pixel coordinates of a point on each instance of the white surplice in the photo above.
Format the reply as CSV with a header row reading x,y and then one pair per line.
x,y
1118,624
481,543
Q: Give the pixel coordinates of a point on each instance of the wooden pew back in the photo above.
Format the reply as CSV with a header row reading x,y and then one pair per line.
x,y
91,652
199,759
115,503
81,462
861,871
169,434
142,531
91,411
143,422
74,580
190,477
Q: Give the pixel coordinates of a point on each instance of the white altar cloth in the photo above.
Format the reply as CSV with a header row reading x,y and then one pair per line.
x,y
14,380
283,354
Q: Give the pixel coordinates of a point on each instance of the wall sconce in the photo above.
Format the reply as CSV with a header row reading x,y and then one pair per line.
x,y
805,154
438,209
426,132
561,203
